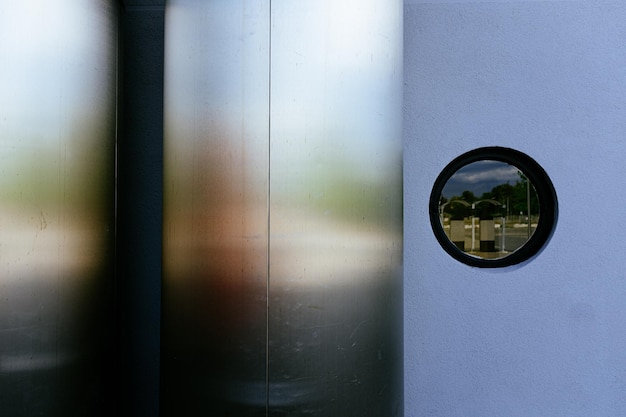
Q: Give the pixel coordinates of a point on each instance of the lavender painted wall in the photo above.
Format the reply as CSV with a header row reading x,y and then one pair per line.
x,y
546,338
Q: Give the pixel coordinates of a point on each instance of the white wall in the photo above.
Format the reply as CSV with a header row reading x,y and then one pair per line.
x,y
547,338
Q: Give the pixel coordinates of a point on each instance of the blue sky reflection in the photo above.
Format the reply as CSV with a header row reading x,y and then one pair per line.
x,y
480,177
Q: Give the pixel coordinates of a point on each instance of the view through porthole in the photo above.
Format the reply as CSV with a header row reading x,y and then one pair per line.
x,y
493,207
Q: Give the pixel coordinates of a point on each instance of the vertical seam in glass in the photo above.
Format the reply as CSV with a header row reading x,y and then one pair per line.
x,y
118,24
269,185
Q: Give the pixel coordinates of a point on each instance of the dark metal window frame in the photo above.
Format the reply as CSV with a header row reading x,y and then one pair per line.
x,y
548,205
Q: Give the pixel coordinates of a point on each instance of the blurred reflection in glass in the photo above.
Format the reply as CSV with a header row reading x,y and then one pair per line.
x,y
57,136
283,208
215,206
335,214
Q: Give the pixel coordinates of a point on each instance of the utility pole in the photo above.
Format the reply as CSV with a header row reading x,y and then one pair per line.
x,y
528,203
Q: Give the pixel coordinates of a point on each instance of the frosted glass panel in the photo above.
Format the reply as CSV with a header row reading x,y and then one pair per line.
x,y
335,324
283,208
215,207
57,138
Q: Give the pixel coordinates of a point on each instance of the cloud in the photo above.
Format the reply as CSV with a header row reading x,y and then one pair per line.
x,y
480,177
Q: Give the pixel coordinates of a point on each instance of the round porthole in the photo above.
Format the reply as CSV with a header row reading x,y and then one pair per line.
x,y
493,207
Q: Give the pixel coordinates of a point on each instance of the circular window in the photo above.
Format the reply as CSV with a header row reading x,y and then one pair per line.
x,y
493,207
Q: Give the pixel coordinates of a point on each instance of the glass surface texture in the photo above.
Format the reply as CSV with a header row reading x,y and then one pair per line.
x,y
283,208
57,144
216,166
335,208
493,207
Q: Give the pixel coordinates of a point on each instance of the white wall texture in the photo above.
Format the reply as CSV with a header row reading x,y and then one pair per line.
x,y
546,338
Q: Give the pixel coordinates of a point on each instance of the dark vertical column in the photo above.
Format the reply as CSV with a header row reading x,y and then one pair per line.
x,y
140,161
